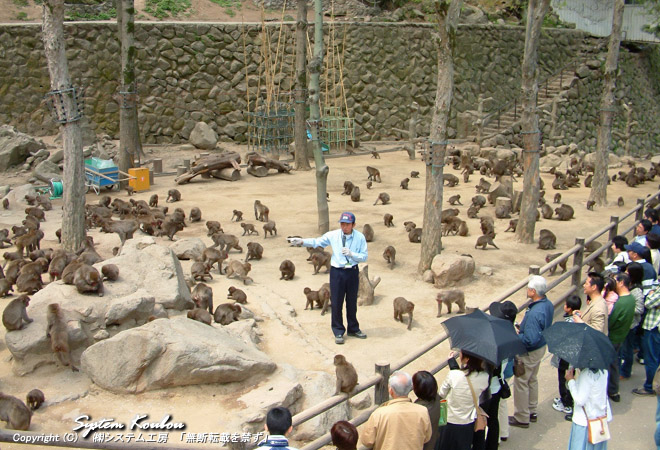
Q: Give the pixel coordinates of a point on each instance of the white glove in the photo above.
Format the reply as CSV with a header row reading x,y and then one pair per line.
x,y
296,241
346,252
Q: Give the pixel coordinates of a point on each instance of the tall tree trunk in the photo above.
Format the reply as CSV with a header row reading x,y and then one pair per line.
x,y
536,10
73,214
599,183
129,139
301,160
447,14
315,67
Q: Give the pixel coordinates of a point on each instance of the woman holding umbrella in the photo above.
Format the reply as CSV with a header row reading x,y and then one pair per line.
x,y
590,350
461,411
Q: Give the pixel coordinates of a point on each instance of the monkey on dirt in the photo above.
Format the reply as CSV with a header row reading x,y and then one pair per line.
x,y
383,197
270,227
153,201
387,220
449,296
237,295
238,215
239,269
374,174
261,211
254,251
288,270
173,195
390,255
34,399
401,307
248,229
14,412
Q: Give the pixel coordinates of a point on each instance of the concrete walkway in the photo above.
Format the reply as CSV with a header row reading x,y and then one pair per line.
x,y
632,427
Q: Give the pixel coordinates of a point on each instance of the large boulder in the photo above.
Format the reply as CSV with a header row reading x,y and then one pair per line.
x,y
319,386
203,136
172,352
15,147
150,280
17,195
46,171
550,161
613,161
191,248
450,270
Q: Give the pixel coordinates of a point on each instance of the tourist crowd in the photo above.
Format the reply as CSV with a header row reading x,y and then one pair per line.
x,y
468,410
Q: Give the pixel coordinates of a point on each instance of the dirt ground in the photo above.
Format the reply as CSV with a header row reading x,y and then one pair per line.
x,y
200,11
290,334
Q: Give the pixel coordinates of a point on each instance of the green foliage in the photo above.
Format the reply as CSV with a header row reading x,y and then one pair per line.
x,y
162,9
229,6
77,16
20,3
22,15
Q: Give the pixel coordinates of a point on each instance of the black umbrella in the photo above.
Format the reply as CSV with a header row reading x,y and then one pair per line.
x,y
484,336
580,345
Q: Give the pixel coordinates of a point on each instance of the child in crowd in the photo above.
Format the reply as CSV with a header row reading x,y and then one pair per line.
x,y
620,254
278,425
564,403
609,293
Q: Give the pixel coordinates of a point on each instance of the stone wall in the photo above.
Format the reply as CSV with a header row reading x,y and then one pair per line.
x,y
636,86
197,72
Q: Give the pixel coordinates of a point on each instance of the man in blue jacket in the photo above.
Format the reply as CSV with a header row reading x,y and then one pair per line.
x,y
526,387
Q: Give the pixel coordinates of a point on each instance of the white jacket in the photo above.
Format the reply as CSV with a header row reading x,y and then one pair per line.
x,y
589,390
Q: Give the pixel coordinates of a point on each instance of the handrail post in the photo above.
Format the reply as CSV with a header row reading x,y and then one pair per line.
x,y
614,220
382,394
515,108
577,262
639,215
534,270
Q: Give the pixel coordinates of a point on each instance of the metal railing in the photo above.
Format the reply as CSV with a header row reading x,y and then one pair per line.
x,y
383,369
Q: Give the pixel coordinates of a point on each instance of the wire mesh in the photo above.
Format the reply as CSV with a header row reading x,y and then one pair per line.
x,y
271,128
336,130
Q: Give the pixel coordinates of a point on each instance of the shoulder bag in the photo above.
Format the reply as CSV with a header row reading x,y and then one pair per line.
x,y
505,389
482,418
598,429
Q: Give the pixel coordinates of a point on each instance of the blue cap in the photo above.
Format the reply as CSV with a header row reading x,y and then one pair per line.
x,y
347,217
635,247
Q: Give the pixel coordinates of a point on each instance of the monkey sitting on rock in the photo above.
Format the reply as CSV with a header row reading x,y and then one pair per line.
x,y
15,317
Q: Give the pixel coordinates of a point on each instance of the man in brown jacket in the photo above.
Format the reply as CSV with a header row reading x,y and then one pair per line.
x,y
595,314
398,424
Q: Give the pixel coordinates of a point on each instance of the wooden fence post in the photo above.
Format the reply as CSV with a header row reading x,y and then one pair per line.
x,y
614,231
382,394
534,270
577,262
639,215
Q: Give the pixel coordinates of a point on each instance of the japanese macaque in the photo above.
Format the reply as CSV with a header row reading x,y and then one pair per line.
x,y
347,377
401,307
15,317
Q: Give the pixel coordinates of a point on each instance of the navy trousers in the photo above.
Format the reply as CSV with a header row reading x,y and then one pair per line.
x,y
344,284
